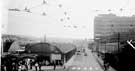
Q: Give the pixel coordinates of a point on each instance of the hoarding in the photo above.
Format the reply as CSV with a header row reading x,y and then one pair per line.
x,y
55,56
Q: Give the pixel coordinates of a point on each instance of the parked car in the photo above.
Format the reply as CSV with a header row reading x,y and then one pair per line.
x,y
78,52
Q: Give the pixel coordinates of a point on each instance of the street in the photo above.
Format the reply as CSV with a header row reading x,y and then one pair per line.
x,y
79,63
84,63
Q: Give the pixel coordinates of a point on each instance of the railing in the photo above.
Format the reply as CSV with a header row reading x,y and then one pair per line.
x,y
129,42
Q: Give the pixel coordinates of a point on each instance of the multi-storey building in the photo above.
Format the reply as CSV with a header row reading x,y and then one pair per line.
x,y
110,29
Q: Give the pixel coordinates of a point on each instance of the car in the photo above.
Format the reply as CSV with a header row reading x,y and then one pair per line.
x,y
78,52
85,54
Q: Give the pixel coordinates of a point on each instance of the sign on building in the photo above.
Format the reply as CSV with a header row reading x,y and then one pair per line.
x,y
55,56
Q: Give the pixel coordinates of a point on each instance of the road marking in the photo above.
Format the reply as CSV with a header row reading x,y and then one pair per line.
x,y
96,68
85,68
90,68
73,68
78,68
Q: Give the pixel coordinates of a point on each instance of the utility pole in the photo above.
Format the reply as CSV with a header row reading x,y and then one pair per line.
x,y
105,46
2,42
118,41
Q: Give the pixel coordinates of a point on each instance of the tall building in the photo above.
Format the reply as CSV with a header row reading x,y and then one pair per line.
x,y
111,29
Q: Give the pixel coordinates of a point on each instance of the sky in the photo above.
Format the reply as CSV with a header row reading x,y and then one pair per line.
x,y
78,22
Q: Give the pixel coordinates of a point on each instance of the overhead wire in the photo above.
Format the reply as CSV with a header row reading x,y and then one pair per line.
x,y
65,13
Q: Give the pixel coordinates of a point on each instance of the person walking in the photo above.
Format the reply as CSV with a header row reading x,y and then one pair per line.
x,y
31,63
40,64
54,63
19,68
36,66
13,66
5,68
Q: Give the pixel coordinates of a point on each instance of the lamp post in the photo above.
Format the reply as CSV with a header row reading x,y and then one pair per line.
x,y
118,41
97,44
117,38
2,42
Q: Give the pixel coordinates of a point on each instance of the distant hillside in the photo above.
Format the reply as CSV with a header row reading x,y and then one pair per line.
x,y
79,43
18,37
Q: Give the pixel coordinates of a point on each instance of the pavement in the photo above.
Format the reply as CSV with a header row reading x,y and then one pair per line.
x,y
101,62
49,68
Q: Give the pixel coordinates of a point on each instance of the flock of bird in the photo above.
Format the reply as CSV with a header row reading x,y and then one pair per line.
x,y
65,13
44,2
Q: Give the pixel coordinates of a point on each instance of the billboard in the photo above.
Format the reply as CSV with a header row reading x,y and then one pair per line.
x,y
55,56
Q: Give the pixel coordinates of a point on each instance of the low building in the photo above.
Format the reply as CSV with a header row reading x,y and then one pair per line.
x,y
51,52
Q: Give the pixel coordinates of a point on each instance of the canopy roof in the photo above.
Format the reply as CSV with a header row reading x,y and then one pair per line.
x,y
42,48
16,46
64,47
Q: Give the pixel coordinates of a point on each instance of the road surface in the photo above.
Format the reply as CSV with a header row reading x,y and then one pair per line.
x,y
83,63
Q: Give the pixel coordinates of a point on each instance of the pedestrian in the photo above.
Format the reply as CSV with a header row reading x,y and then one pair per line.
x,y
2,68
19,68
5,68
28,63
13,66
106,61
20,62
46,62
31,64
36,66
39,66
64,67
25,64
54,63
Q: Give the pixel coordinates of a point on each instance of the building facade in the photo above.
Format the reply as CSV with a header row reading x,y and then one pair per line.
x,y
111,30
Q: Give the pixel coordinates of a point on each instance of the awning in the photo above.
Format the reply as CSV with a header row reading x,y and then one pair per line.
x,y
42,48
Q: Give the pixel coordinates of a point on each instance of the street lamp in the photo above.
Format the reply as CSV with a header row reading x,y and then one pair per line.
x,y
115,37
97,44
